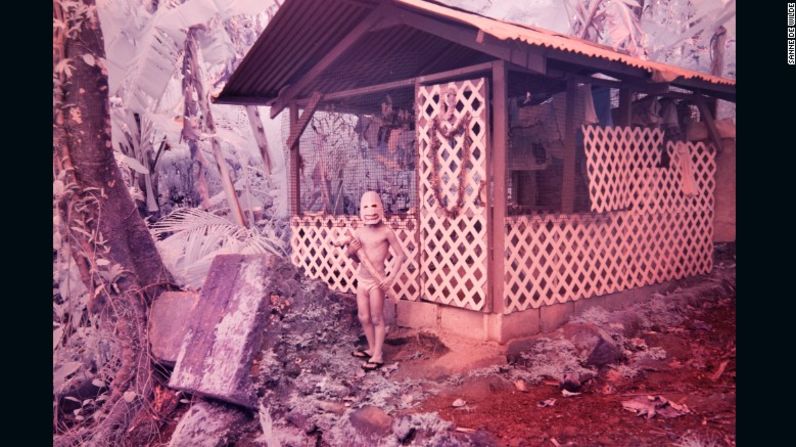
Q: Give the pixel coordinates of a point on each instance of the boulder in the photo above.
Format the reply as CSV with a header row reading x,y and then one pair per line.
x,y
627,321
207,424
371,421
168,324
592,343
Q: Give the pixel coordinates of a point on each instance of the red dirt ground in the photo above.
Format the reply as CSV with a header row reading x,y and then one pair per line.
x,y
696,351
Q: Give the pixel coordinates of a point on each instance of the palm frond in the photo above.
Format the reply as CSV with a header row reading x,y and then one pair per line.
x,y
189,239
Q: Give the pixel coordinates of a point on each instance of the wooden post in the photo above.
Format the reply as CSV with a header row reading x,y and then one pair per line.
x,y
625,107
570,145
295,159
497,169
707,117
259,136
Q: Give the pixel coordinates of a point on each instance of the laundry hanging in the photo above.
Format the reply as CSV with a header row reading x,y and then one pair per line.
x,y
589,112
686,168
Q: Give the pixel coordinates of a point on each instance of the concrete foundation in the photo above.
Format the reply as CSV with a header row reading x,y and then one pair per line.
x,y
502,328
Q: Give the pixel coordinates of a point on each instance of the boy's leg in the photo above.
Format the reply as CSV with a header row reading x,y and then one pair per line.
x,y
377,319
363,312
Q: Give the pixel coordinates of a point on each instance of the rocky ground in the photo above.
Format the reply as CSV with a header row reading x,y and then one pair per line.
x,y
661,372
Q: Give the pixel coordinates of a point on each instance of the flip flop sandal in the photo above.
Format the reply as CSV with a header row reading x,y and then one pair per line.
x,y
360,354
372,366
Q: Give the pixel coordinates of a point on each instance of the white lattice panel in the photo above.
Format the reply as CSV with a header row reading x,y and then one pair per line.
x,y
612,156
660,234
453,259
311,242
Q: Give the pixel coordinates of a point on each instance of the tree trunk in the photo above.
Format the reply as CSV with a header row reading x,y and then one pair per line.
x,y
717,44
108,239
208,124
190,123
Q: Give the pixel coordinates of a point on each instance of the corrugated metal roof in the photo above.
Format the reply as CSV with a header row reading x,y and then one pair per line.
x,y
304,31
301,32
504,30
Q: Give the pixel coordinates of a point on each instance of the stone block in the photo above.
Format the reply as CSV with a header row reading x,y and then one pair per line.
x,y
416,314
168,323
463,322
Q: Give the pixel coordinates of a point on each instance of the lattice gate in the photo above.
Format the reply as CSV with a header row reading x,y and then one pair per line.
x,y
452,139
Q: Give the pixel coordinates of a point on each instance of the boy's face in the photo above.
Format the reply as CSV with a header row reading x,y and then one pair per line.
x,y
371,209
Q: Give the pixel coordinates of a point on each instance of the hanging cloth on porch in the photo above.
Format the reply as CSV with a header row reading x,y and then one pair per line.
x,y
686,167
589,112
602,106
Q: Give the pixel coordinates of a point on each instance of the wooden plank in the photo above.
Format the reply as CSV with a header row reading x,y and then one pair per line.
x,y
297,128
259,136
295,168
225,330
497,167
570,143
347,42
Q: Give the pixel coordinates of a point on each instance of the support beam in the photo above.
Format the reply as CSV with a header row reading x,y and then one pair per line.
x,y
347,42
649,88
434,77
610,68
497,167
242,100
294,180
721,91
298,128
570,144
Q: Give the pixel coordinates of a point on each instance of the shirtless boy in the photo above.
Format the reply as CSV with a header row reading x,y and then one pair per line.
x,y
373,241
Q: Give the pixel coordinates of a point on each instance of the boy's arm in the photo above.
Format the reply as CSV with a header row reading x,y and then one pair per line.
x,y
352,248
400,257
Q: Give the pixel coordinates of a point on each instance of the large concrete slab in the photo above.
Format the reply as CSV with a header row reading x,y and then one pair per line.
x,y
226,329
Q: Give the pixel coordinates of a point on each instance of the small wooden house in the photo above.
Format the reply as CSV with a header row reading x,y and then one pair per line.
x,y
525,172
